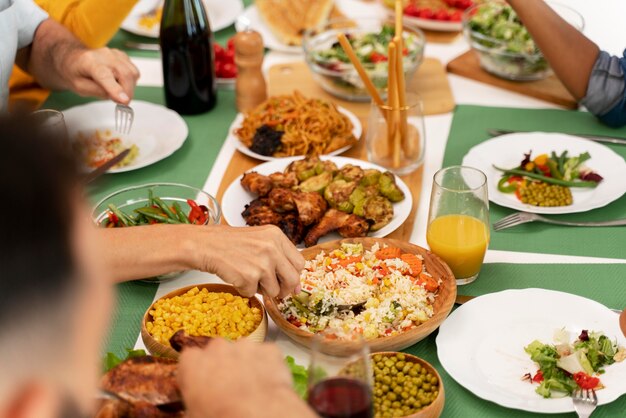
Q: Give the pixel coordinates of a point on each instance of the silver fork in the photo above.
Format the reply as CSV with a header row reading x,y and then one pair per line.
x,y
124,116
585,402
519,218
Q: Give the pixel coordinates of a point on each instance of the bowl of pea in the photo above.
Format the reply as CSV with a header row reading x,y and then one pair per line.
x,y
504,46
404,386
204,310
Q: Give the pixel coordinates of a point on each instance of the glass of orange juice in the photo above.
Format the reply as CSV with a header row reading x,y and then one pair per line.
x,y
458,222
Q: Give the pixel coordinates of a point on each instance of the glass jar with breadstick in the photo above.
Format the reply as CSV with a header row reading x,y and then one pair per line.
x,y
395,134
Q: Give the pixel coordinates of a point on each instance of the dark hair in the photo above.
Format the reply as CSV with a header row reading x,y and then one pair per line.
x,y
38,179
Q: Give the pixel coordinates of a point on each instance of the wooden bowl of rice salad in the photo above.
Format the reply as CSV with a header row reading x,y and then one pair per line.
x,y
391,292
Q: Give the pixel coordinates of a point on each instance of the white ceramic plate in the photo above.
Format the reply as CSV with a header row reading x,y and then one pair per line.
x,y
356,131
252,19
236,198
157,131
507,151
481,345
221,15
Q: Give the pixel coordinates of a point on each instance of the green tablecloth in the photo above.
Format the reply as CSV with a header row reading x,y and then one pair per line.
x,y
605,283
469,128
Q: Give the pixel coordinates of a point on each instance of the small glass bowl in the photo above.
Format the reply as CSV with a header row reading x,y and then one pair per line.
x,y
341,79
495,59
134,197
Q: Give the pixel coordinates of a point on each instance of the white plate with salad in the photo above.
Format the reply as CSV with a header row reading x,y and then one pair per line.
x,y
486,346
157,133
584,161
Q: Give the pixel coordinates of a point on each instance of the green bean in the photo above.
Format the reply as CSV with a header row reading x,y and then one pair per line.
x,y
150,197
121,215
166,209
181,215
550,180
155,216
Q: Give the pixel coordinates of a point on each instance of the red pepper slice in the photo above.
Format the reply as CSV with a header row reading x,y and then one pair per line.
x,y
113,218
585,381
192,203
538,378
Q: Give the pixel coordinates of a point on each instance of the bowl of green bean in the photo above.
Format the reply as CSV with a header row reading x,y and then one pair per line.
x,y
157,203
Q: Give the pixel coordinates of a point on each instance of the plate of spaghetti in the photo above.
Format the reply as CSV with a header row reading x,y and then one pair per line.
x,y
294,125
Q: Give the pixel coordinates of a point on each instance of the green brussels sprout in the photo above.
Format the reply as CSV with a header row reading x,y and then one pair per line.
x,y
350,172
370,177
304,169
388,188
379,211
316,183
323,166
359,197
338,193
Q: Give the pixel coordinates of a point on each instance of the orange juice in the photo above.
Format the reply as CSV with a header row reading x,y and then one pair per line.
x,y
461,241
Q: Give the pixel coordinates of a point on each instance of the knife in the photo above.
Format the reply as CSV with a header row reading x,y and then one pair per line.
x,y
105,167
461,299
596,138
142,46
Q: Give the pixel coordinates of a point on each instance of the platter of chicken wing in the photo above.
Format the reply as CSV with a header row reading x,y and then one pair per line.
x,y
319,199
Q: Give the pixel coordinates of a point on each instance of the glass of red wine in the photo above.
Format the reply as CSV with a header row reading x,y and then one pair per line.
x,y
340,385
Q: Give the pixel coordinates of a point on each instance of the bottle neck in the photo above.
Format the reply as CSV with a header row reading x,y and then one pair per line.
x,y
187,13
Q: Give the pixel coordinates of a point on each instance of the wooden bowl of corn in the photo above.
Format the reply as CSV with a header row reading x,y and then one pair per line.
x,y
212,310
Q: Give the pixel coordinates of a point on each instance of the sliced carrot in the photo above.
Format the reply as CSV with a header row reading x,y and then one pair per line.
x,y
350,260
414,262
388,253
428,282
375,280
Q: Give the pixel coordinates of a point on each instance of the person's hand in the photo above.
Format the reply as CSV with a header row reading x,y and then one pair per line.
x,y
241,379
105,73
251,258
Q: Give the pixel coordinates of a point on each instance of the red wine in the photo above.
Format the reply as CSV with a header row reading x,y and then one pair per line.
x,y
341,397
188,58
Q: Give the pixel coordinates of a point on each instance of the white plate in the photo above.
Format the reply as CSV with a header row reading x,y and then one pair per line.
x,y
236,198
157,131
252,19
221,15
356,131
481,344
507,151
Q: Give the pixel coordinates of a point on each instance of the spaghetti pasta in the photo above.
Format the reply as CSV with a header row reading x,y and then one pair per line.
x,y
311,126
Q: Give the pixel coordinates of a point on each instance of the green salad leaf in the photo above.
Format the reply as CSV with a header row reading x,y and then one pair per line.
x,y
572,166
300,377
111,360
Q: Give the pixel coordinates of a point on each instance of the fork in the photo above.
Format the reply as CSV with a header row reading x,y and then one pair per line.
x,y
124,116
585,402
519,218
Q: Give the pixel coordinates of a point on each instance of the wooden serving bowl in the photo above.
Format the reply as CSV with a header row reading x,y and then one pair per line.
x,y
442,306
435,409
158,349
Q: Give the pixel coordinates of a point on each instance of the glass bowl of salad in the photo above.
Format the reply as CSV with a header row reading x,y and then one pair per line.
x,y
503,45
157,203
370,40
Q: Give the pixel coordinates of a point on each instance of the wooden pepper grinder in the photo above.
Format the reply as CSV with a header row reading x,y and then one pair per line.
x,y
250,85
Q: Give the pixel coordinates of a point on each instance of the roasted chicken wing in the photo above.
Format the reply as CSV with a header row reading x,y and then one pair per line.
x,y
281,200
259,212
286,180
256,183
311,207
348,226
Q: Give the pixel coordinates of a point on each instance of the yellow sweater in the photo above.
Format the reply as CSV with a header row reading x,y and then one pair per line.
x,y
94,22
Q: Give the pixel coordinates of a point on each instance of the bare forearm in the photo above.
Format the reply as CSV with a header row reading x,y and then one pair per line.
x,y
140,252
570,53
47,57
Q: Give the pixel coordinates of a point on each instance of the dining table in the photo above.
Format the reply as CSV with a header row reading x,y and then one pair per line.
x,y
582,261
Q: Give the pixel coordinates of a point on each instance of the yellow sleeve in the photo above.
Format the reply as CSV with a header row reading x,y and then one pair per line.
x,y
94,22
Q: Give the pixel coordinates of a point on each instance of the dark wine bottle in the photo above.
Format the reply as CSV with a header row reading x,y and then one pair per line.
x,y
188,57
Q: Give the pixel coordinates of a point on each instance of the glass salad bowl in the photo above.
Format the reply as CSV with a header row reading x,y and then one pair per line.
x,y
503,45
370,37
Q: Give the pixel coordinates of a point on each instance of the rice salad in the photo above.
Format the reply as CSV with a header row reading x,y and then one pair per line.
x,y
350,291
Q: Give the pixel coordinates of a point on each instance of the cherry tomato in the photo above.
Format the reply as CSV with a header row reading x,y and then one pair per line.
x,y
231,44
426,14
229,56
229,70
412,10
441,15
219,68
585,381
219,51
538,378
377,57
456,16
